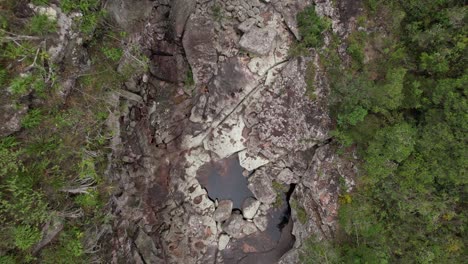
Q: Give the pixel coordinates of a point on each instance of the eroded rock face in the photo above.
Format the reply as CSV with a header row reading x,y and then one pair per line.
x,y
252,107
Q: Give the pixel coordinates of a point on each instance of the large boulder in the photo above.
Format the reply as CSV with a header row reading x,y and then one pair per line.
x,y
237,227
224,210
10,118
258,41
129,14
250,207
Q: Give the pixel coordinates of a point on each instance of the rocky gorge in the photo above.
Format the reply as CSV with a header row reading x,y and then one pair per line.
x,y
220,154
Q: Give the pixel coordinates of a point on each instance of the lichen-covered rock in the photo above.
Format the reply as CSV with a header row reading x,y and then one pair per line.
x,y
258,41
200,49
181,10
223,241
316,196
227,138
223,211
237,227
289,10
146,247
250,207
129,14
10,118
261,222
261,186
284,118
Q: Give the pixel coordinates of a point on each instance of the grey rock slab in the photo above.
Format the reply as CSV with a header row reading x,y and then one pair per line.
x,y
237,227
289,9
181,10
199,45
261,222
130,96
223,241
146,247
258,40
128,14
224,210
250,207
261,187
247,25
250,161
283,119
227,138
10,118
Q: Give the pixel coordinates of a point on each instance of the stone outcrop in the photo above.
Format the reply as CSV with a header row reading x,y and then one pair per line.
x,y
248,100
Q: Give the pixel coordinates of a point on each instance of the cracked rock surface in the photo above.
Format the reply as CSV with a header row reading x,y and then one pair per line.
x,y
247,102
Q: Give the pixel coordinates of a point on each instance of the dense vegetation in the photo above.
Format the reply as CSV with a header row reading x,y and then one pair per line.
x,y
399,99
51,172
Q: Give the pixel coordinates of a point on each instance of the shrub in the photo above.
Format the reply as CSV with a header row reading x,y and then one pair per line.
x,y
21,85
26,236
40,2
3,76
32,119
42,25
311,27
114,54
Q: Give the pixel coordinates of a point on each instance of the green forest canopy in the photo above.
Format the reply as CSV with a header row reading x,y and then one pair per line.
x,y
406,112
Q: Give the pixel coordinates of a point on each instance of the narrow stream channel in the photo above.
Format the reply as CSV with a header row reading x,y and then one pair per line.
x,y
224,180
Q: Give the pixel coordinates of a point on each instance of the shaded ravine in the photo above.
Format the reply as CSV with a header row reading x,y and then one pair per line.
x,y
261,247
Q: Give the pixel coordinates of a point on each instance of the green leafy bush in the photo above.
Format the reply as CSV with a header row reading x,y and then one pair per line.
x,y
21,85
42,25
114,54
3,76
405,112
40,2
311,27
32,119
26,236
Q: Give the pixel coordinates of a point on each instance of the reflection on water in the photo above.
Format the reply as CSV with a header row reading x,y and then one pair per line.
x,y
224,180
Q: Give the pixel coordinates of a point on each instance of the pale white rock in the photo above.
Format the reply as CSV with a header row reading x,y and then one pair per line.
x,y
261,222
129,95
223,241
50,12
286,176
258,40
195,159
247,25
223,212
251,162
250,207
226,139
273,73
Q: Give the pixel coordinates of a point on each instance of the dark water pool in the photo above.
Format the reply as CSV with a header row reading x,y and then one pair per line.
x,y
224,180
